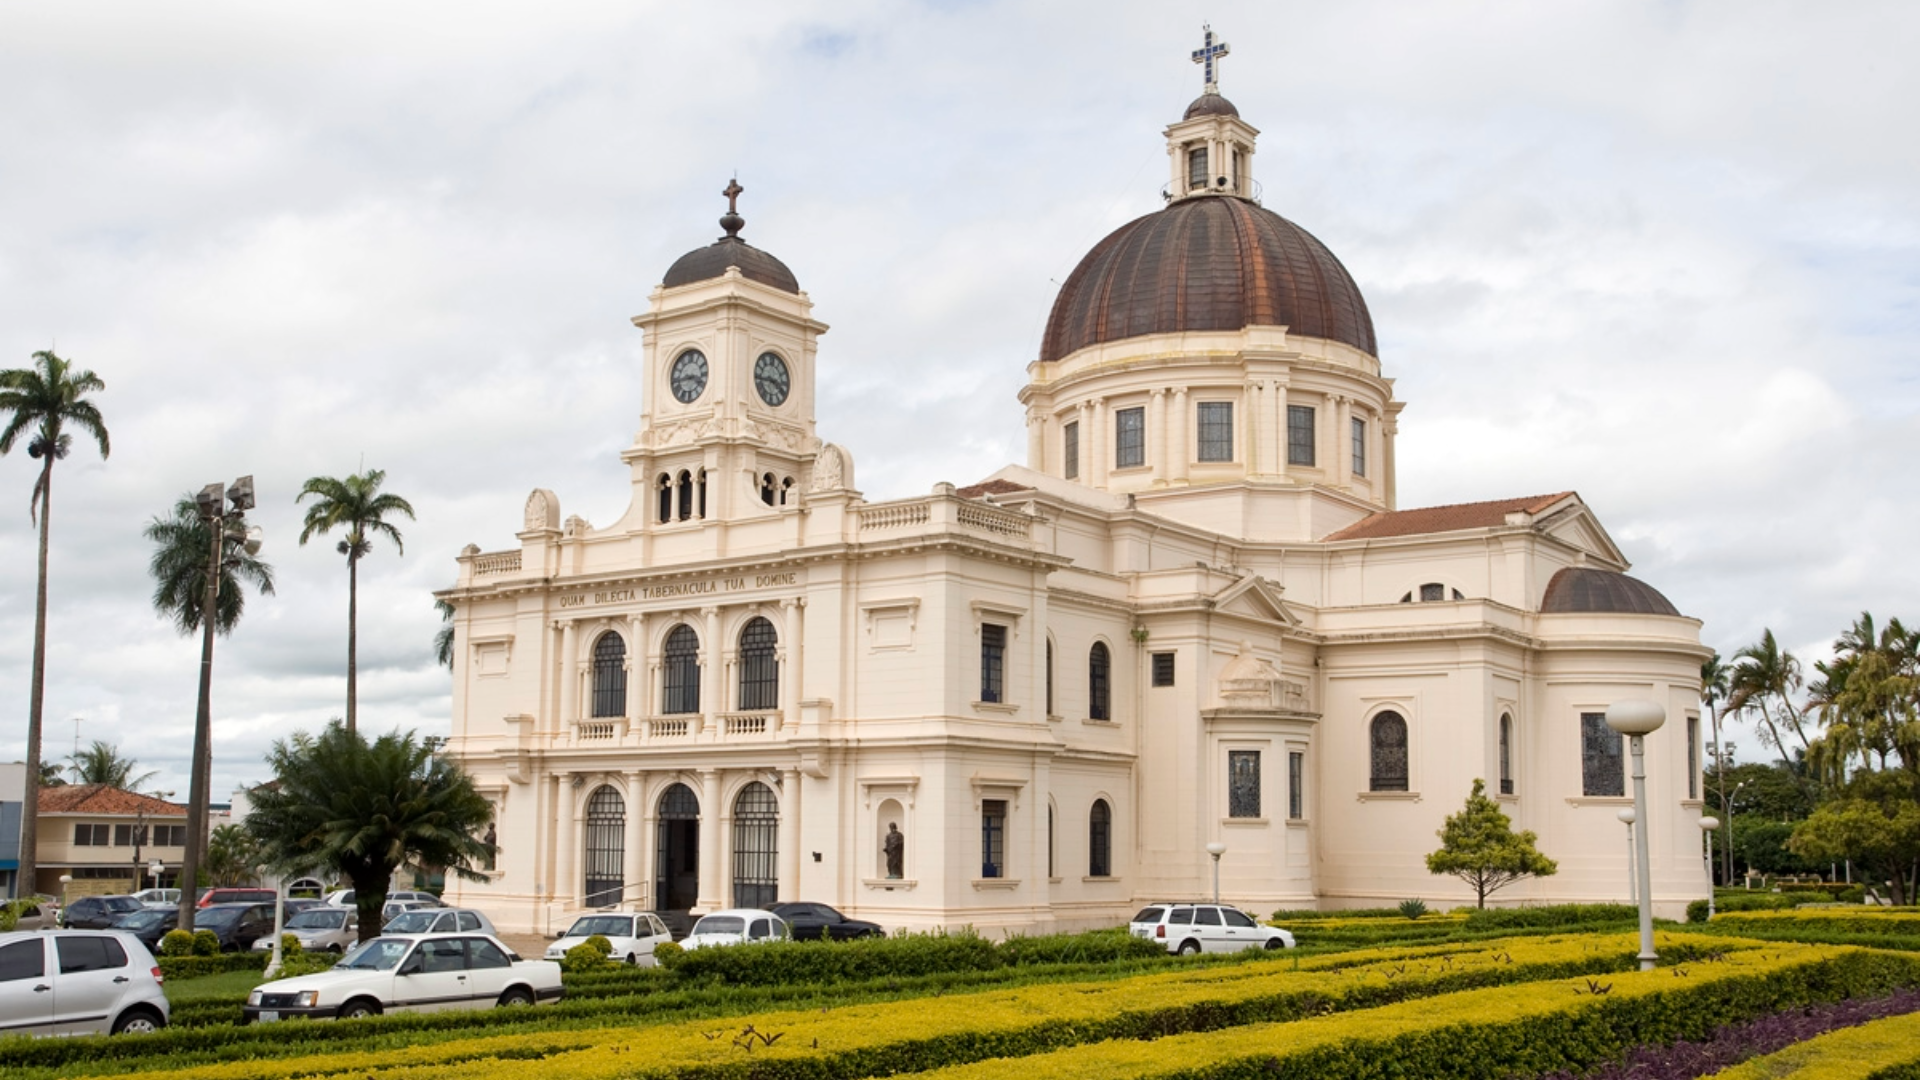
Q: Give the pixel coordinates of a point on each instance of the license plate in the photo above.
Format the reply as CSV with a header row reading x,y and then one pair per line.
x,y
269,1015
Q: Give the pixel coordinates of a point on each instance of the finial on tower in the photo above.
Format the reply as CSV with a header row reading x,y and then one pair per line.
x,y
1207,54
732,221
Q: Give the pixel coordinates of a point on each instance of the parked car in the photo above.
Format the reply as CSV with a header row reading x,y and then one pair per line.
x,y
223,895
78,982
811,922
405,974
1192,928
736,926
294,905
430,920
237,926
158,897
98,912
319,929
633,934
149,924
345,897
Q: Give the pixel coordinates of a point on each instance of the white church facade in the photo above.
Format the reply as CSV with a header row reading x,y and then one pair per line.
x,y
1195,616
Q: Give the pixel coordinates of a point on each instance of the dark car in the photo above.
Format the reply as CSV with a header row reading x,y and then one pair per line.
x,y
810,922
234,895
149,925
98,912
237,926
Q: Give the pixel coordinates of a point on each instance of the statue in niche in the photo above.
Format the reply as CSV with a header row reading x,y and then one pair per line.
x,y
895,847
492,840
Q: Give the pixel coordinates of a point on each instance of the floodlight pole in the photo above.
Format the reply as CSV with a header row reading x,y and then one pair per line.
x,y
1627,818
1637,720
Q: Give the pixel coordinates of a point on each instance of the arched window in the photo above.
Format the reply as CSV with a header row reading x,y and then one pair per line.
x,y
756,831
681,671
1100,840
700,499
686,494
665,497
610,676
1506,754
1389,739
606,847
1099,682
759,671
768,491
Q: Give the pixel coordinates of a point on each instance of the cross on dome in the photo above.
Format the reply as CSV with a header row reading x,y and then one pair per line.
x,y
731,220
1207,55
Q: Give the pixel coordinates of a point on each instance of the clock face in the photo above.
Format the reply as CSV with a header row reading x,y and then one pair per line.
x,y
689,376
771,379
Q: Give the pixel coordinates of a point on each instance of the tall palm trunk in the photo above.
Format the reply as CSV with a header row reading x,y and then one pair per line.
x,y
353,636
27,880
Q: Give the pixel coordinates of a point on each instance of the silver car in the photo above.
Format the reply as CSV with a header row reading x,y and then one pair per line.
x,y
431,920
633,934
319,929
79,982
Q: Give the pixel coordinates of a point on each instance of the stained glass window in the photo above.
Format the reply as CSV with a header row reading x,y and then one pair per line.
x,y
1243,783
1602,762
1389,753
1099,682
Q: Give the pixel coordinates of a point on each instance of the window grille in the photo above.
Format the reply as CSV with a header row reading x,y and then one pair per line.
x,y
1070,450
1506,754
1243,783
993,662
606,848
1163,669
1100,840
1099,682
1300,435
1359,447
759,669
1389,753
1197,167
129,835
1296,785
610,676
1129,438
681,671
1216,431
756,829
1693,757
1432,591
1050,711
1602,763
993,838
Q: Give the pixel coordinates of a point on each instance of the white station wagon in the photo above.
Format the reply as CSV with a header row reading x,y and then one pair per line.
x,y
428,973
633,934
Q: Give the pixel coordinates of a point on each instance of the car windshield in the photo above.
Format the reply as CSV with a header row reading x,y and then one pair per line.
x,y
720,924
317,920
412,922
610,925
146,920
217,916
380,954
122,903
1148,915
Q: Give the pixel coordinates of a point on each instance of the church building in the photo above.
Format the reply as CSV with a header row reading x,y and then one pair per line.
x,y
1194,632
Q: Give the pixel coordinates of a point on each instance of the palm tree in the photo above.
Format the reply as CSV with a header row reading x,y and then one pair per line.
x,y
1764,679
443,637
233,857
42,401
357,504
101,763
362,810
1715,688
179,568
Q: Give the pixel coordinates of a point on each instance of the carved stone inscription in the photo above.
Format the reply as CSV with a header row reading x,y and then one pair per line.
x,y
670,589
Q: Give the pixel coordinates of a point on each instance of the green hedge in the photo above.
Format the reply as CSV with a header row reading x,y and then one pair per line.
x,y
192,967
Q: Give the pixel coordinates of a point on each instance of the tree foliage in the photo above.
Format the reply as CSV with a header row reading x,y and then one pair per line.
x,y
1478,846
363,809
101,763
356,505
1875,822
1765,681
233,857
181,546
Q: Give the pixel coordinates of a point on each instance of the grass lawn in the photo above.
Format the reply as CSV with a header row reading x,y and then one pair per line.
x,y
231,985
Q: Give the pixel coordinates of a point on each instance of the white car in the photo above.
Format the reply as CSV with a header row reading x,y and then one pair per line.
x,y
320,929
431,920
430,973
159,898
344,897
1193,928
633,934
79,982
736,926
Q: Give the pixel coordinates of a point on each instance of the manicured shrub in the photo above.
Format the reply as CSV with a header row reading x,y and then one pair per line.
x,y
1413,909
1560,916
591,954
667,954
193,967
176,943
206,943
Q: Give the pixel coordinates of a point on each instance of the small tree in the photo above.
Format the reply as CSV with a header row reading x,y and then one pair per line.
x,y
1875,823
1478,846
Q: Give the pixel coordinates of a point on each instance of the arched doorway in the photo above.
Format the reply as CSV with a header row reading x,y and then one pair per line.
x,y
606,849
756,831
677,848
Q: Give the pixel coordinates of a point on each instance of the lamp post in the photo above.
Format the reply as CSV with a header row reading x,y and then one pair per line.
x,y
1627,817
1216,849
140,838
1637,720
223,523
1731,800
156,868
1707,825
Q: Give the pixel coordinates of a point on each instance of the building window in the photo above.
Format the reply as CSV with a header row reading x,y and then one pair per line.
x,y
1100,840
1197,167
1050,870
993,662
681,671
610,676
993,838
1099,682
756,833
169,835
606,849
1359,447
1050,677
1389,743
1693,757
759,669
1129,438
1602,766
1163,669
91,835
1243,783
1432,591
1296,785
129,835
1506,754
1070,450
664,490
1299,434
1216,431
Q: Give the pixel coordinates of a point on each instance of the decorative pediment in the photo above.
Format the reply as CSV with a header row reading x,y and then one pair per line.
x,y
1255,597
1250,682
543,510
1573,523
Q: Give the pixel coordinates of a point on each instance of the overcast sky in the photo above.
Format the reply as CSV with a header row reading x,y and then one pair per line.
x,y
1664,254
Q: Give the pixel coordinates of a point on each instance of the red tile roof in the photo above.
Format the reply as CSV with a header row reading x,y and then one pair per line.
x,y
1437,519
103,799
991,487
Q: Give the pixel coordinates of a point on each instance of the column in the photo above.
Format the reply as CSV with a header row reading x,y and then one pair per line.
x,y
637,668
711,890
569,675
1083,435
1180,442
789,838
790,662
1036,441
1343,442
710,660
1255,409
1324,438
1099,454
566,884
1158,450
637,890
1274,428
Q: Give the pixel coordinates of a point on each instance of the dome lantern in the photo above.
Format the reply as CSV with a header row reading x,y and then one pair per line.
x,y
1211,149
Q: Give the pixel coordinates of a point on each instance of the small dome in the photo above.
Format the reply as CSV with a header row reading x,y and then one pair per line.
x,y
707,263
1583,589
1207,263
1210,104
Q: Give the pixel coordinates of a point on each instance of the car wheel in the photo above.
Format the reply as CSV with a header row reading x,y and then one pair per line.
x,y
357,1008
138,1022
516,997
334,948
1276,943
1188,947
633,959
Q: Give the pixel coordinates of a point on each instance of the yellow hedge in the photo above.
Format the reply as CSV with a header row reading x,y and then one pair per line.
x,y
1854,1053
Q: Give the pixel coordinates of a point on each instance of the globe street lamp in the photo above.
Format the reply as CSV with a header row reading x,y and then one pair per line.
x,y
1707,825
1637,720
1627,817
1216,849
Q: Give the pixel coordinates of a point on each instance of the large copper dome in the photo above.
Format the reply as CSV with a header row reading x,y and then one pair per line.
x,y
1207,263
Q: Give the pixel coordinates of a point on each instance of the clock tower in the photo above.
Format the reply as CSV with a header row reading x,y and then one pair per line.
x,y
728,427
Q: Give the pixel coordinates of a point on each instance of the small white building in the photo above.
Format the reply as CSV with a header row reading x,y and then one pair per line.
x,y
1197,614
